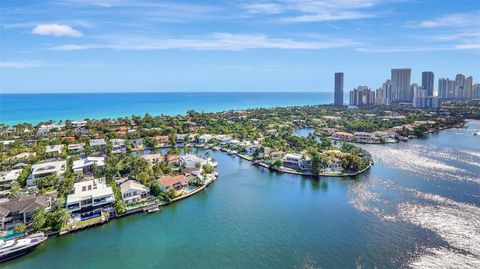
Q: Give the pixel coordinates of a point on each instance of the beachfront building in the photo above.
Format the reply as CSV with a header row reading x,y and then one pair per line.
x,y
118,146
168,183
76,148
20,209
296,161
98,145
133,191
86,166
8,177
89,195
79,123
41,170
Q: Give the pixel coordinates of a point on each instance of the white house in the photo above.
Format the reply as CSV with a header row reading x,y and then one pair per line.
x,y
133,191
181,138
90,194
85,166
251,148
8,177
203,139
118,146
79,123
46,169
363,137
54,149
98,144
76,148
296,161
190,161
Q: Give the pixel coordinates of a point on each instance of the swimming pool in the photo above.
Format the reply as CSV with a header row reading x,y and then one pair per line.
x,y
191,188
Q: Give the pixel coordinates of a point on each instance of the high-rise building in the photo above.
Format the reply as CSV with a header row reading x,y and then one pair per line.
x,y
362,96
383,95
459,86
427,82
476,91
338,94
446,88
422,99
401,85
468,88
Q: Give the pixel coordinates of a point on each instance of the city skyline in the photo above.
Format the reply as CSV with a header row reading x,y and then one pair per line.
x,y
142,46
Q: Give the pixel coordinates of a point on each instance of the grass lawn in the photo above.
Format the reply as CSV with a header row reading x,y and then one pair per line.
x,y
83,223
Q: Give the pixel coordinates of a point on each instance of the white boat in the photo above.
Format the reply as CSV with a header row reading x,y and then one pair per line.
x,y
10,249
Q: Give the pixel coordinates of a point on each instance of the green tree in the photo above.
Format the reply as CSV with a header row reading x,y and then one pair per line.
x,y
39,219
19,228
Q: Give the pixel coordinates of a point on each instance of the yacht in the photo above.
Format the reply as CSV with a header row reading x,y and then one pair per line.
x,y
13,248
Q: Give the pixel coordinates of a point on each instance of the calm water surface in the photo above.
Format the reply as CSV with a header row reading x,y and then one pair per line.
x,y
17,108
419,207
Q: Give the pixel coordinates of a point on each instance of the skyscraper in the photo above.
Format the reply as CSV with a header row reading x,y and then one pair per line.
x,y
459,86
401,85
427,82
362,96
338,95
468,93
384,94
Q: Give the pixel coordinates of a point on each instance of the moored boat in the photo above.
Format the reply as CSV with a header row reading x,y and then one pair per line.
x,y
14,248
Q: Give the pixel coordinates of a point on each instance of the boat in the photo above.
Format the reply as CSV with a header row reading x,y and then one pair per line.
x,y
477,133
10,249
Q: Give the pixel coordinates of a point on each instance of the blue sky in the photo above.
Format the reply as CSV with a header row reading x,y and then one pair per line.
x,y
271,45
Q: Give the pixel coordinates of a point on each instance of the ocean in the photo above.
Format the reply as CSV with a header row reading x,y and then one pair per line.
x,y
417,207
35,108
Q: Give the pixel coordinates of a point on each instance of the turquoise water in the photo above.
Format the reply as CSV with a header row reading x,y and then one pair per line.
x,y
34,108
417,207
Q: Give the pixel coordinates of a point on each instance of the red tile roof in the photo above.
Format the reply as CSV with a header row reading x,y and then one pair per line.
x,y
170,180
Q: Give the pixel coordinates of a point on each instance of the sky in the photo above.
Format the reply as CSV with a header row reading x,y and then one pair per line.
x,y
272,45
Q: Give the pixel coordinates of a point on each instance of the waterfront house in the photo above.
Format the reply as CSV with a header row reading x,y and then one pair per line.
x,y
137,143
89,195
8,177
296,161
252,148
363,137
85,166
181,138
118,146
98,145
343,136
162,140
41,170
76,148
168,183
203,139
54,150
20,209
133,191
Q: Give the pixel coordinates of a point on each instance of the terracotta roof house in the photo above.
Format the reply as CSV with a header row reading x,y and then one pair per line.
x,y
173,182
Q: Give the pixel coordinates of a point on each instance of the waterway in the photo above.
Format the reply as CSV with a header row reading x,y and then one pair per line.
x,y
417,207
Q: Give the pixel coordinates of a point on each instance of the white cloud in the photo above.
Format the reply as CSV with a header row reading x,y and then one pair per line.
x,y
295,11
20,64
452,20
215,41
56,30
